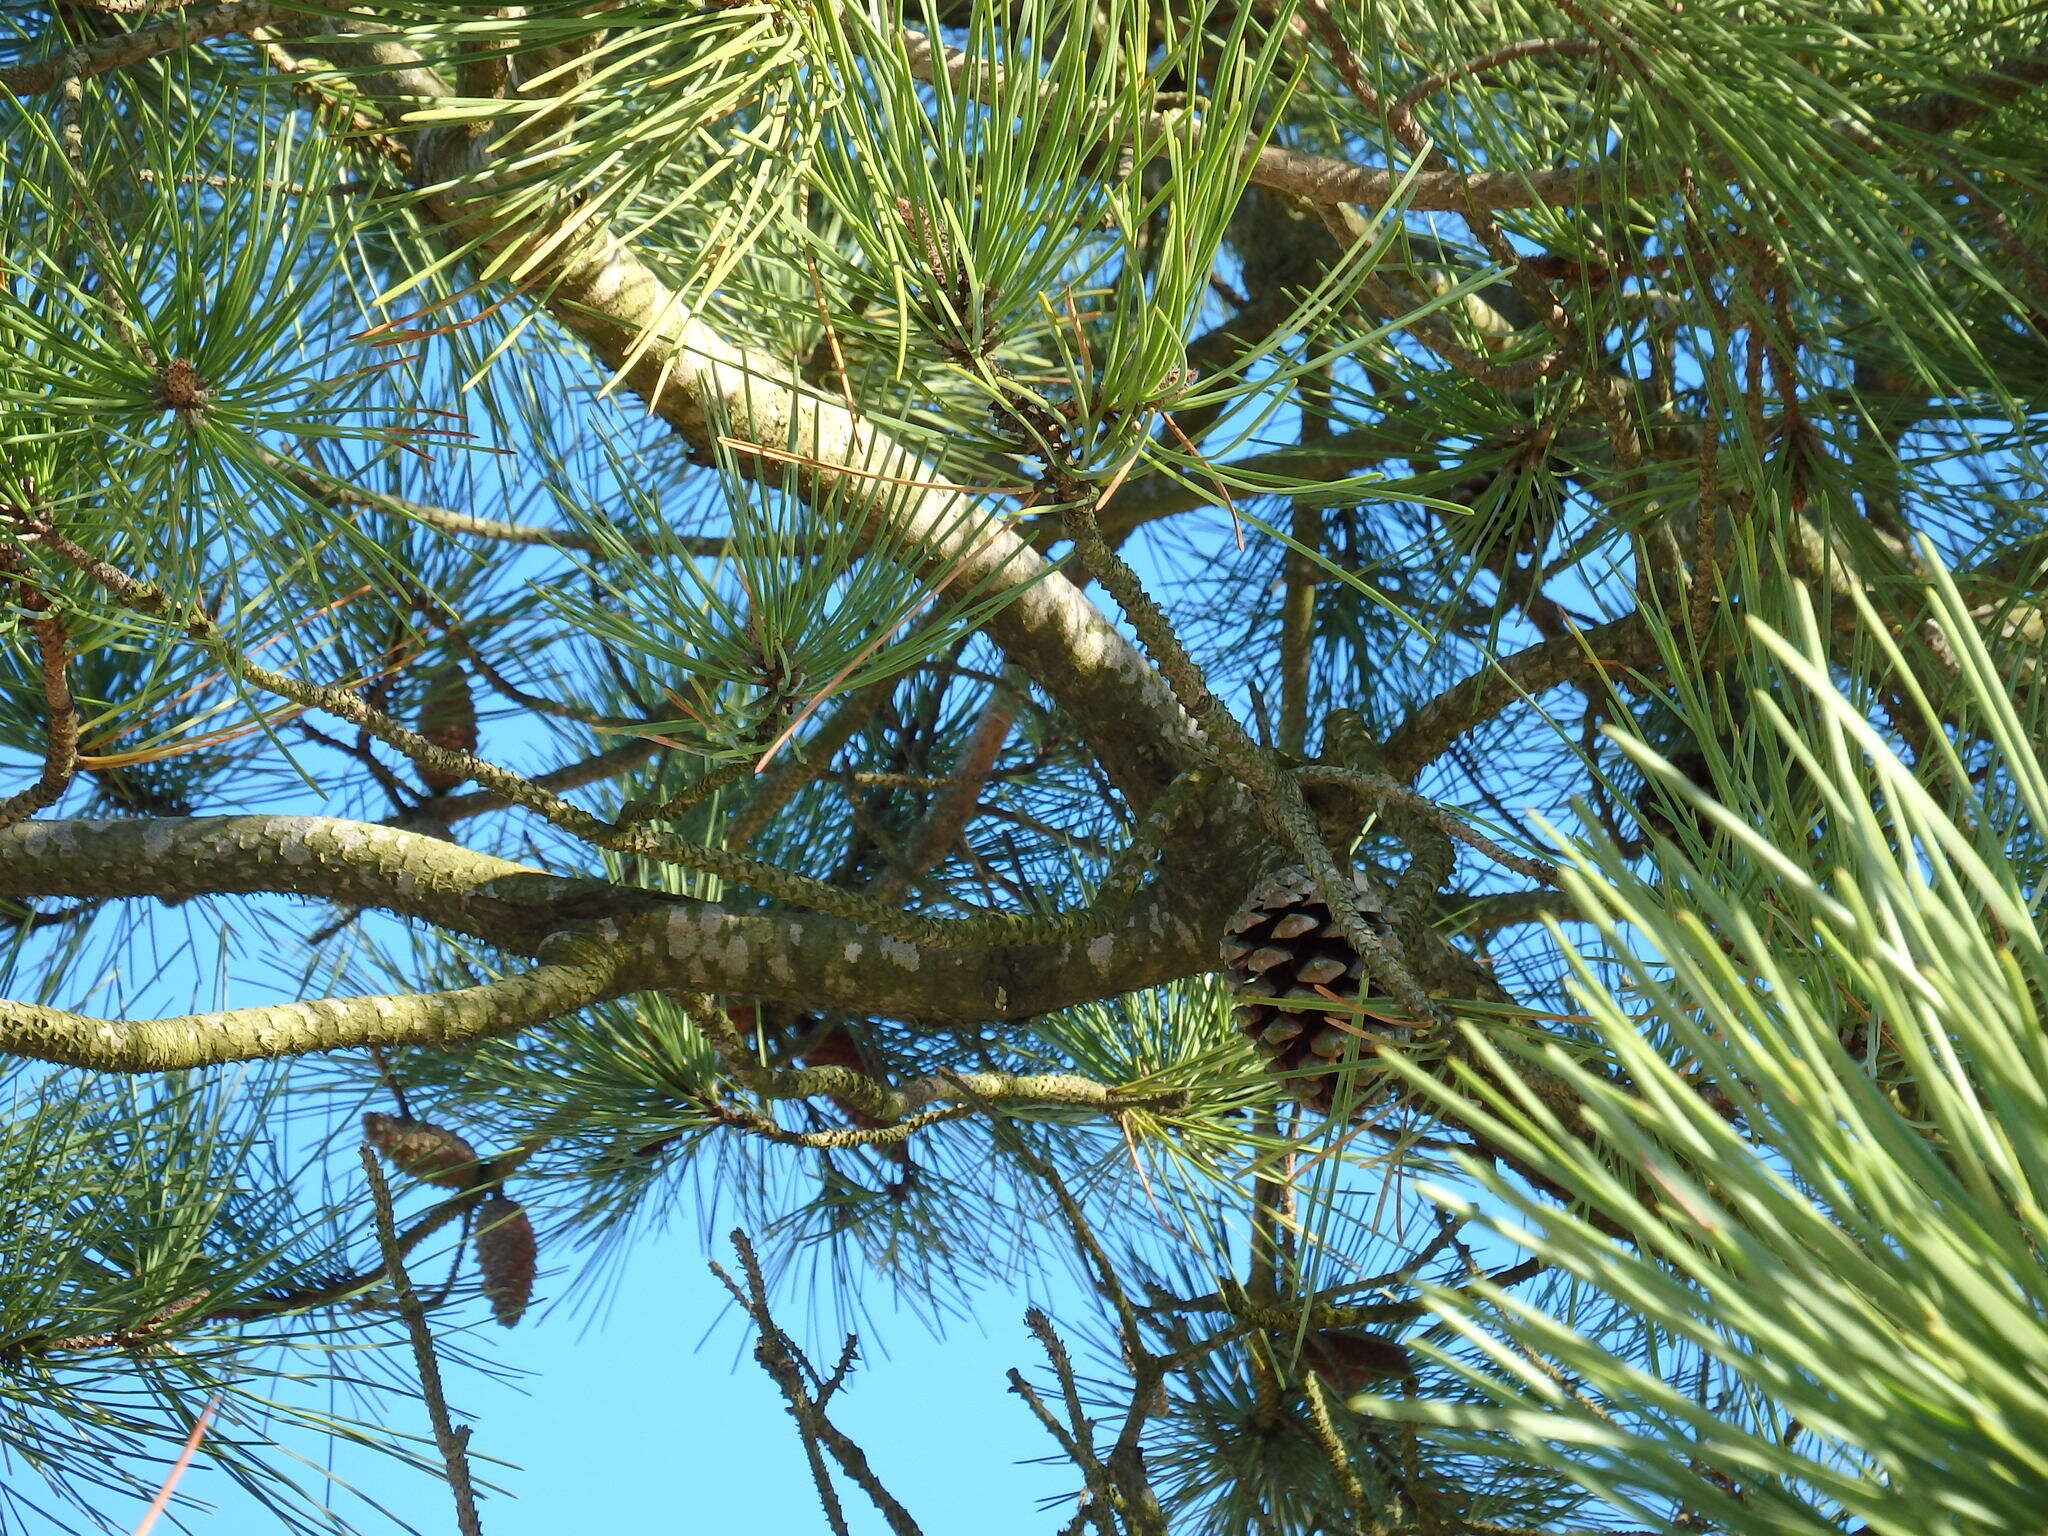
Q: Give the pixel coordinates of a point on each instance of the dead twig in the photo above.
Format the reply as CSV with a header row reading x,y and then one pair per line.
x,y
60,733
805,1391
453,1441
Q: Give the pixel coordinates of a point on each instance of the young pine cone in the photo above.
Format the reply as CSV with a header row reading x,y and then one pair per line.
x,y
424,1150
447,719
505,1255
1353,1362
1292,970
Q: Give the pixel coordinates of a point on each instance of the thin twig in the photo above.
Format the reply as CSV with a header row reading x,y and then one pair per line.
x,y
1381,790
454,1442
787,1367
1078,1438
60,732
186,1452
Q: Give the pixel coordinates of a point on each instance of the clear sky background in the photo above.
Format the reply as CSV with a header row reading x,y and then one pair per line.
x,y
654,1418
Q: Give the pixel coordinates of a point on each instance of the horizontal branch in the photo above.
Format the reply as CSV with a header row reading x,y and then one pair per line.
x,y
578,976
1318,459
1325,179
355,863
1432,728
168,36
660,941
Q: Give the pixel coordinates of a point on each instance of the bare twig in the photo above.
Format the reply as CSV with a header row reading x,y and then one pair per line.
x,y
60,731
186,1452
176,32
792,1373
956,805
1077,1437
454,1442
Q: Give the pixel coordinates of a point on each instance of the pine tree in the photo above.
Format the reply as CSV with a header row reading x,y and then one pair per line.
x,y
1409,631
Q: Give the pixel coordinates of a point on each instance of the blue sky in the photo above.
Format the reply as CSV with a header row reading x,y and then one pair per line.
x,y
653,1417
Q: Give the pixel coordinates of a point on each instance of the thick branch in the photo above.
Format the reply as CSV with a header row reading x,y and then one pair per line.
x,y
709,388
500,1007
662,941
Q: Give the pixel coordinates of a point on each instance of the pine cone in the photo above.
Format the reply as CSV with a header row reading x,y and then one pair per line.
x,y
505,1253
447,719
424,1150
1353,1362
1283,946
834,1045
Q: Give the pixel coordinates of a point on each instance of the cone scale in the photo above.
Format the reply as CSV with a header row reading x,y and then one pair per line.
x,y
1298,983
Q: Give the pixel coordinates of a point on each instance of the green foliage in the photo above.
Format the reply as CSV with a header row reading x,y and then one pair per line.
x,y
1827,1166
800,603
681,408
175,1206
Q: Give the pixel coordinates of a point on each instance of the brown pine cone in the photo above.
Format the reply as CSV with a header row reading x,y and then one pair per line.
x,y
447,719
1354,1362
424,1150
1289,963
505,1257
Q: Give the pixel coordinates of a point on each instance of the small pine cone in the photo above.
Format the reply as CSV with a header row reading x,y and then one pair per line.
x,y
447,719
1353,1362
426,1151
1283,948
833,1045
505,1253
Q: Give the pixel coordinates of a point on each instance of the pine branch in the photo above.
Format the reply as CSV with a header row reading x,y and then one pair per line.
x,y
181,31
1622,644
582,974
660,941
1324,179
599,290
60,727
618,837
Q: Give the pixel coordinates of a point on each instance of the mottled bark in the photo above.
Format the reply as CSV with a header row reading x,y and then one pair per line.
x,y
650,939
